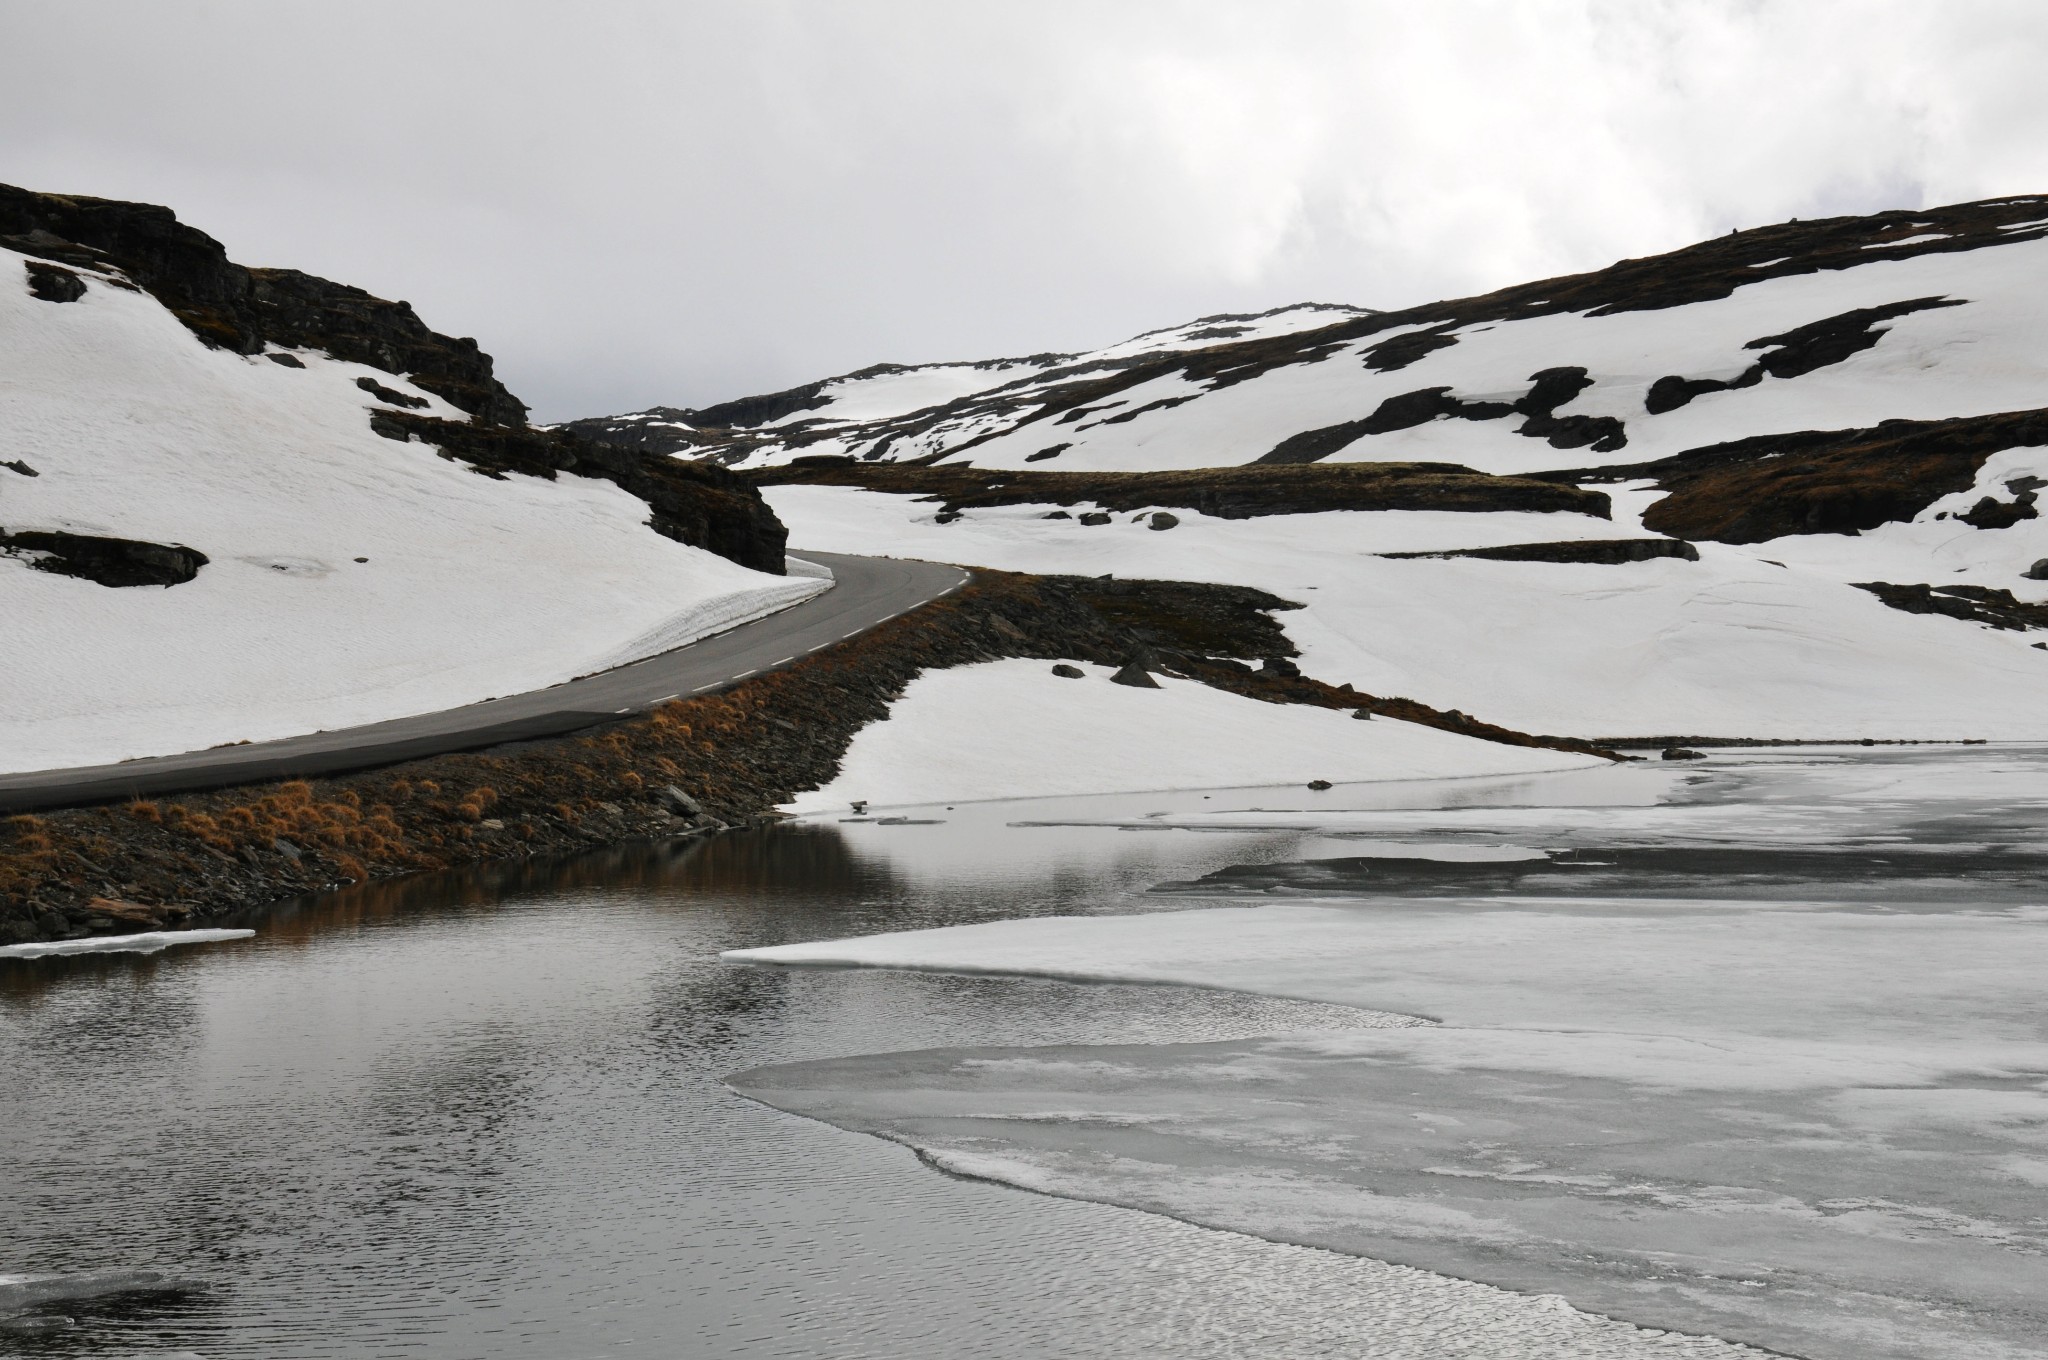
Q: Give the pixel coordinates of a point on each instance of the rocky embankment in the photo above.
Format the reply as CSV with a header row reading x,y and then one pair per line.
x,y
687,768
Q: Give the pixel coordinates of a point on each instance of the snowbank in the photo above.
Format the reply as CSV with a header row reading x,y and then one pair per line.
x,y
351,578
1012,729
149,942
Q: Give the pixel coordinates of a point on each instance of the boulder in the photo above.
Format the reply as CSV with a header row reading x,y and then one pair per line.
x,y
1163,520
1135,675
1095,517
2037,572
1280,665
1319,784
1682,753
1066,672
680,803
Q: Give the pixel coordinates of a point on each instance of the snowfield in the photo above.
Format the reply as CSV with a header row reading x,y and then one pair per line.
x,y
351,578
1012,729
1766,640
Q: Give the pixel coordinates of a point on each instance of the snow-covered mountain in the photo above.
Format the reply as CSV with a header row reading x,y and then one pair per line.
x,y
238,504
1807,458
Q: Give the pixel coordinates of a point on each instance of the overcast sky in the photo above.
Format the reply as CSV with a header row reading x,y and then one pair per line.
x,y
680,202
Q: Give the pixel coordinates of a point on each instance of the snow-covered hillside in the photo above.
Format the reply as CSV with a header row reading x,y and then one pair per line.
x,y
877,408
1845,424
201,546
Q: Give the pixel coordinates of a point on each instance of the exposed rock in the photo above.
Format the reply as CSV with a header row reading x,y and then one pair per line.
x,y
1134,674
1683,753
392,395
1389,355
1992,513
1550,389
701,504
285,360
1363,714
1050,451
1319,784
230,307
1603,551
16,465
104,561
681,803
1976,604
1094,517
1066,672
53,283
2037,572
1819,481
1796,352
1279,665
1162,520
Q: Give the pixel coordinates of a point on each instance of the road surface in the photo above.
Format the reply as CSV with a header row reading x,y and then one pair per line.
x,y
870,591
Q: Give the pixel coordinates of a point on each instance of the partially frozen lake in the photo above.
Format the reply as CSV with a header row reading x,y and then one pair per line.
x,y
1749,1048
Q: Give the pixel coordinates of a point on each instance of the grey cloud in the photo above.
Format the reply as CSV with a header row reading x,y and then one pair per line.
x,y
633,203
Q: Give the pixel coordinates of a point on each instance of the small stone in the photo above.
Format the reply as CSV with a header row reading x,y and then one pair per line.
x,y
2037,572
491,824
681,803
1363,715
287,360
1056,514
1319,784
286,848
16,465
1163,520
1682,753
1095,517
1066,672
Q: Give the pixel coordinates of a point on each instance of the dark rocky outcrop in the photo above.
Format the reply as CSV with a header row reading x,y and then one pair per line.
x,y
1796,352
1975,604
700,504
103,561
1992,513
1066,672
53,283
387,394
1818,481
1228,493
1550,389
240,309
1599,551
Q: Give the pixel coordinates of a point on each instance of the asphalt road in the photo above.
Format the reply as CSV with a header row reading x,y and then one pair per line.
x,y
870,591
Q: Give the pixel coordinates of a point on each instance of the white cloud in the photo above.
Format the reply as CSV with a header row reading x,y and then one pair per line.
x,y
640,202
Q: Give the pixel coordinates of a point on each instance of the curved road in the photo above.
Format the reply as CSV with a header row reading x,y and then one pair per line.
x,y
870,591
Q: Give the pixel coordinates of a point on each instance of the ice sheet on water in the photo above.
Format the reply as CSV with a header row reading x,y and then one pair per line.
x,y
1816,1125
148,942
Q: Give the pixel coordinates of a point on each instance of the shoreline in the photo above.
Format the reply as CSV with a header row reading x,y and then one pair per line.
x,y
689,768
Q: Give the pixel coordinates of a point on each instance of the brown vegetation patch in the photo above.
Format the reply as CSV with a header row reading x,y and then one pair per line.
x,y
731,755
1228,493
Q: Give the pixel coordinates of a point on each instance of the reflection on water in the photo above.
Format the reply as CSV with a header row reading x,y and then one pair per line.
x,y
482,1114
